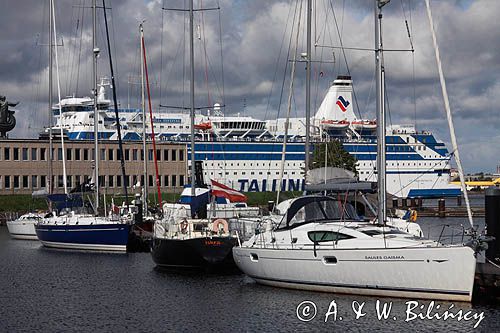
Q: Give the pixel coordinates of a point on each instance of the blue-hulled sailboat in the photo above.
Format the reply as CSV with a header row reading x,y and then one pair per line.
x,y
72,225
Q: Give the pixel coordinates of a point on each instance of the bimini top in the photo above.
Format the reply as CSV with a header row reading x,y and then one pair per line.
x,y
316,208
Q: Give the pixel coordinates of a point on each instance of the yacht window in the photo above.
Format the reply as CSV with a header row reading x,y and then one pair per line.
x,y
326,236
375,232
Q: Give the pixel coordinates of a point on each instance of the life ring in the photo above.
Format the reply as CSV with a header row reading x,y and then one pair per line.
x,y
217,223
184,226
413,216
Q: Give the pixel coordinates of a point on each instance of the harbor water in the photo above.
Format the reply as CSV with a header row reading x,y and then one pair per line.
x,y
49,290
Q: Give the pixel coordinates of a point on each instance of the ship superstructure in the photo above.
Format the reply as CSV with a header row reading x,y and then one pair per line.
x,y
245,153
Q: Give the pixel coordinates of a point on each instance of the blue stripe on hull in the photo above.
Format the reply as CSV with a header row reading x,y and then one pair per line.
x,y
87,237
435,193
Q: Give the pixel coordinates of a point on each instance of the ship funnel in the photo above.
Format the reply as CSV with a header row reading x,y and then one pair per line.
x,y
338,103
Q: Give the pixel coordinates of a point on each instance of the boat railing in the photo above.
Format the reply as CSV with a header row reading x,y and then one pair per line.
x,y
452,234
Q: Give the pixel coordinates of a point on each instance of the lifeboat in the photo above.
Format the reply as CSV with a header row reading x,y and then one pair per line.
x,y
335,124
364,124
203,126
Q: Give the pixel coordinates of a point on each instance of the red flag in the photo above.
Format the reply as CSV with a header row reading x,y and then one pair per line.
x,y
220,190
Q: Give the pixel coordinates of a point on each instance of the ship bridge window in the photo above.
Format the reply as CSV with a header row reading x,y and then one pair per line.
x,y
326,236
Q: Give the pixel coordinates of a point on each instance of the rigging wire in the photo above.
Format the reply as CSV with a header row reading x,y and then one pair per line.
x,y
221,56
204,47
290,96
345,58
161,49
284,78
77,81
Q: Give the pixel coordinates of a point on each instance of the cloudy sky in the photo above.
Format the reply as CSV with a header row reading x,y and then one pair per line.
x,y
249,42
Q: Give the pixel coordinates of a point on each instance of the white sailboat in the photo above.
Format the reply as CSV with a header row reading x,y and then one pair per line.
x,y
321,245
24,226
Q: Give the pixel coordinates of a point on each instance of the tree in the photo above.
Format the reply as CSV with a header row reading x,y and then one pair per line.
x,y
337,156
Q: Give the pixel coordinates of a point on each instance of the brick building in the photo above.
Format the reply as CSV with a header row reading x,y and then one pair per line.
x,y
24,165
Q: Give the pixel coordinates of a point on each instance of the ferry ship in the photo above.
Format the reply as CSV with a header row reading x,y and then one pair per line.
x,y
245,153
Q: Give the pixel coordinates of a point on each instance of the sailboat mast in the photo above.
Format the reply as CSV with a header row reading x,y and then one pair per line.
x,y
115,101
379,73
95,50
144,120
51,145
155,157
308,88
191,62
63,151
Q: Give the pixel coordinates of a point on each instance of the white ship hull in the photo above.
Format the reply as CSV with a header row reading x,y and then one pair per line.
x,y
442,273
22,230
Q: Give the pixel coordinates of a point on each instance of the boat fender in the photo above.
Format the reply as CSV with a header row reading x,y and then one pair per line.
x,y
217,223
413,216
184,226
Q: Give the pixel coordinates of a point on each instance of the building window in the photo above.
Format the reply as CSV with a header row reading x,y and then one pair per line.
x,y
181,179
127,154
16,181
34,182
16,154
7,181
118,181
134,154
127,180
33,154
165,181
60,181
158,154
181,155
102,181
174,180
150,154
142,154
174,155
69,183
59,154
43,151
85,154
43,181
110,155
165,154
77,154
150,180
103,154
118,155
25,154
6,154
110,181
69,155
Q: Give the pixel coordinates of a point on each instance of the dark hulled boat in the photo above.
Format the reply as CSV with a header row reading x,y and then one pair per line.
x,y
200,252
195,233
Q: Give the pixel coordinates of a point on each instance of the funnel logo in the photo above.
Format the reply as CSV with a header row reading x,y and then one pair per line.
x,y
342,103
